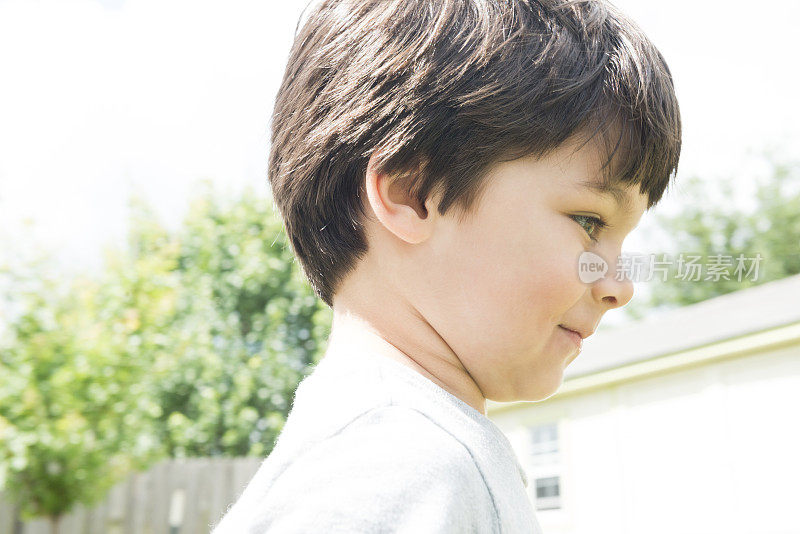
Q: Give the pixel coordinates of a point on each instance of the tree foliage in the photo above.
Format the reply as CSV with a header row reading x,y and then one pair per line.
x,y
769,227
190,344
244,322
73,414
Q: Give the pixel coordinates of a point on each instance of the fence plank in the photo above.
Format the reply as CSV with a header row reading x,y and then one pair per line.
x,y
220,479
140,503
177,481
115,514
190,497
203,498
69,523
37,526
97,518
6,515
81,515
156,516
242,474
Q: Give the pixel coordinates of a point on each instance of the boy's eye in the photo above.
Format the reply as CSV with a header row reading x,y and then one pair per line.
x,y
593,225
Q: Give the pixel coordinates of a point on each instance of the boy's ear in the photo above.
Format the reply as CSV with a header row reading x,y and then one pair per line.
x,y
396,209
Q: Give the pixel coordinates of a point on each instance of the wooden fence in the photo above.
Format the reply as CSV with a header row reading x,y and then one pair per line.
x,y
197,491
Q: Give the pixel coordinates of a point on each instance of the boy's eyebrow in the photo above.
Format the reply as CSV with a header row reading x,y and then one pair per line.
x,y
605,189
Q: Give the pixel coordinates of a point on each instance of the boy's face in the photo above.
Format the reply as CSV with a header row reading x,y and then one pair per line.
x,y
497,286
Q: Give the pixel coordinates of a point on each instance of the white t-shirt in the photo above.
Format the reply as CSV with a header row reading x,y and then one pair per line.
x,y
372,446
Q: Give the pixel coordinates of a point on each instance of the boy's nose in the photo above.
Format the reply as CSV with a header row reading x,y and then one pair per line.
x,y
614,290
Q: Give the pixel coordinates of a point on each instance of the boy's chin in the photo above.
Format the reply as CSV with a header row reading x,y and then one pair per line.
x,y
538,389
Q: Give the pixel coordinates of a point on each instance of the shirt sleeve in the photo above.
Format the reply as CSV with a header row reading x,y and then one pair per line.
x,y
390,470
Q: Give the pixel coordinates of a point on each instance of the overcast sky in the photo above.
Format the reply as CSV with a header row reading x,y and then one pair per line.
x,y
99,99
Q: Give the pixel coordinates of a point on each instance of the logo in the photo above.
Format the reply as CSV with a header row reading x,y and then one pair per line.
x,y
591,267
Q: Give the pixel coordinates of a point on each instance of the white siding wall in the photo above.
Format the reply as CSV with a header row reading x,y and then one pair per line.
x,y
709,450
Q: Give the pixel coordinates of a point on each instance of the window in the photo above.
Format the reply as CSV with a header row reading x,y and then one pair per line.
x,y
548,493
545,466
544,440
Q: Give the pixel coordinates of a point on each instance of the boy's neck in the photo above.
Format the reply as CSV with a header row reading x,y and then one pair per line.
x,y
410,341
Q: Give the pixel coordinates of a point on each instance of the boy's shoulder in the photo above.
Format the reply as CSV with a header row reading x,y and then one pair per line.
x,y
390,469
371,446
400,440
378,413
396,450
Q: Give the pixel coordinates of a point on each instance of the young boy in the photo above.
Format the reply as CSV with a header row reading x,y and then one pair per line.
x,y
440,166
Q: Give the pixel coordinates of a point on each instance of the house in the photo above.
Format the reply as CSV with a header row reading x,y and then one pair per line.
x,y
687,422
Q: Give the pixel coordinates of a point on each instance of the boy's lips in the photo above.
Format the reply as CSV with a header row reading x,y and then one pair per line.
x,y
575,336
584,333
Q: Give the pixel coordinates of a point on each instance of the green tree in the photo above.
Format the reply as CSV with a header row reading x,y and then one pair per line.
x,y
72,418
244,328
770,227
190,344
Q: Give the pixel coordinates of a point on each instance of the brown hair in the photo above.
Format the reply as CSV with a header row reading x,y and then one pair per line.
x,y
440,90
